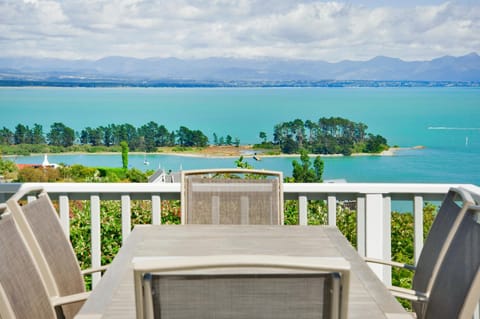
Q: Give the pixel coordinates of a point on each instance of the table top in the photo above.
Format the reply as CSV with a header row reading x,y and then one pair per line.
x,y
114,296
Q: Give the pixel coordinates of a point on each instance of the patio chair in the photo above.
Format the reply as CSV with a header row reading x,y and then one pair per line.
x,y
241,286
24,292
232,196
455,290
41,228
451,212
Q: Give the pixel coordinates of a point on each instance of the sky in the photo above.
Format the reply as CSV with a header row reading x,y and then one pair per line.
x,y
193,29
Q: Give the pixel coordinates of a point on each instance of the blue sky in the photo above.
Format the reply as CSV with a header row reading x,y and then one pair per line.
x,y
291,29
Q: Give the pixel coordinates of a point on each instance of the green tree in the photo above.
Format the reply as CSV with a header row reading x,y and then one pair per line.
x,y
263,136
124,146
228,140
37,134
6,136
304,173
375,144
243,164
21,134
149,133
236,142
61,135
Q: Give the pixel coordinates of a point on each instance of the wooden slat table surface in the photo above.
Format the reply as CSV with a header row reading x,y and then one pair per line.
x,y
114,296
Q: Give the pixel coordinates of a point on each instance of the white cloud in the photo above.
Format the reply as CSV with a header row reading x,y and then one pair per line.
x,y
244,28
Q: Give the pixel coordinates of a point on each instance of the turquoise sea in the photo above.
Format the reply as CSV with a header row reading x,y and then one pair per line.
x,y
446,121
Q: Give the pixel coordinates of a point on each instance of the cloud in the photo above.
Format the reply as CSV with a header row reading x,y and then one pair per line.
x,y
241,28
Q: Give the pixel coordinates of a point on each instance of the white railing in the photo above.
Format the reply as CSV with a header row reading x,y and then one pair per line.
x,y
374,206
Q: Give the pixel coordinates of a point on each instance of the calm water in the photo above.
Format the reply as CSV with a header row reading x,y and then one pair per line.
x,y
405,116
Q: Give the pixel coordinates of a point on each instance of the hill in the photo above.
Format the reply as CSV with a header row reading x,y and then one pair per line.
x,y
239,72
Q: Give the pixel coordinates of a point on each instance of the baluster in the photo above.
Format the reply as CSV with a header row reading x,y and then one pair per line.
x,y
126,217
418,226
302,210
64,207
95,235
156,210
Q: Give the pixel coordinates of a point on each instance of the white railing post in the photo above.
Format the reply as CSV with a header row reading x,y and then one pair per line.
x,y
302,210
332,210
126,217
361,240
418,226
95,234
64,208
375,232
156,210
387,238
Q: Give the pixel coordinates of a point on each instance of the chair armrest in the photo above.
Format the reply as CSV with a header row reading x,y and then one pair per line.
x,y
89,271
65,300
389,263
408,294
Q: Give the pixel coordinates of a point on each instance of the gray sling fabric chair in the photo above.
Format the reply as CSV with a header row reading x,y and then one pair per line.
x,y
232,196
24,292
241,286
453,209
455,289
40,225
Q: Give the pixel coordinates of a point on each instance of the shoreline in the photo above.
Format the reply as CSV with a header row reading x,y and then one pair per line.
x,y
230,152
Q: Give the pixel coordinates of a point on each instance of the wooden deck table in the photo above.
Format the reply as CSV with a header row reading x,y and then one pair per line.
x,y
114,296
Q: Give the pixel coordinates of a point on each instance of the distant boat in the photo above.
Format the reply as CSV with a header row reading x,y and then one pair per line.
x,y
145,162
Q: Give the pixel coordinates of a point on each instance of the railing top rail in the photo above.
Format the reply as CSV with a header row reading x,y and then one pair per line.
x,y
289,188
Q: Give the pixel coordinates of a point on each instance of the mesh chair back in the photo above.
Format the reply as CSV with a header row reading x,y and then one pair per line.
x,y
233,196
456,290
445,225
241,286
42,225
243,296
23,294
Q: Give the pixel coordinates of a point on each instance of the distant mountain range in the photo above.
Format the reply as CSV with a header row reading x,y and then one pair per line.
x,y
233,71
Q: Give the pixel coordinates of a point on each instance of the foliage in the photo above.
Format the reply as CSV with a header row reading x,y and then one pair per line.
x,y
8,169
135,175
110,221
304,173
60,135
334,135
79,173
31,174
124,146
243,164
147,137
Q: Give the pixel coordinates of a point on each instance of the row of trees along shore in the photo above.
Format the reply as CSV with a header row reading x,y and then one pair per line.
x,y
145,138
333,135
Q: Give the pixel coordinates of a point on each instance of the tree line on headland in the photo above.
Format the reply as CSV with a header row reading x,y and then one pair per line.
x,y
333,135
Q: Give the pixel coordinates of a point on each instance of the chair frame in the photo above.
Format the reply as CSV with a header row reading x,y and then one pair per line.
x,y
472,298
143,266
44,275
275,174
467,202
36,251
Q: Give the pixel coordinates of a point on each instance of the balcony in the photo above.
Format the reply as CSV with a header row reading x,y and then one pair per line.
x,y
373,201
